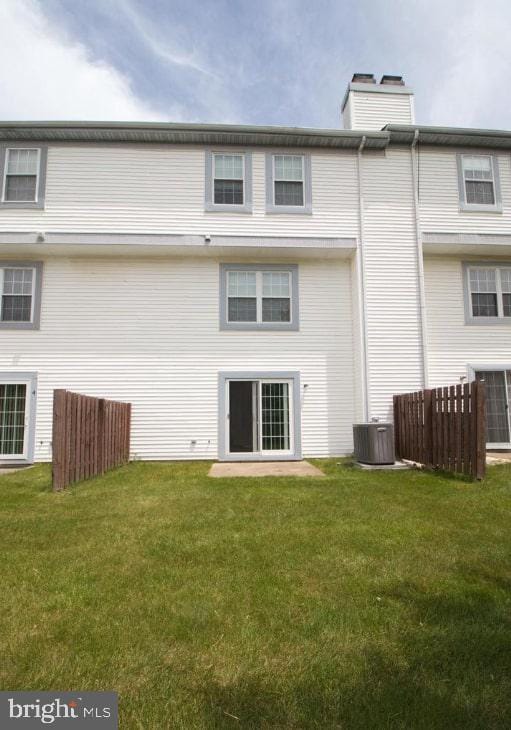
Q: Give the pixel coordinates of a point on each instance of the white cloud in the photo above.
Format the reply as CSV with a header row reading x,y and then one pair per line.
x,y
49,76
471,75
160,47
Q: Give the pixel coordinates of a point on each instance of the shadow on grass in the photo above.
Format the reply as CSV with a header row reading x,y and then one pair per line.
x,y
451,668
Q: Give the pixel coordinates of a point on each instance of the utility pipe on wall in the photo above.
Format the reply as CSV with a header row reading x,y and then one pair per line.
x,y
362,288
420,262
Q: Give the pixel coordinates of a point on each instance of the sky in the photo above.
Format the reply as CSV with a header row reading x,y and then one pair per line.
x,y
273,62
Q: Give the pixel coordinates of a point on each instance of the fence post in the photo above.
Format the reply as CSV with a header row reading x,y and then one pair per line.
x,y
101,436
397,445
480,427
428,429
58,440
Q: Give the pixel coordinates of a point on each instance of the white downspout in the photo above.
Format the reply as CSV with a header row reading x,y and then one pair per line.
x,y
362,288
420,262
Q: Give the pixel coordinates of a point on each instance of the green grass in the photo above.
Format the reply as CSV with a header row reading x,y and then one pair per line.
x,y
361,600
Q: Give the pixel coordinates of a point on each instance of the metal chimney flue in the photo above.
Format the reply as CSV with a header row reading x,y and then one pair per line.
x,y
387,80
363,79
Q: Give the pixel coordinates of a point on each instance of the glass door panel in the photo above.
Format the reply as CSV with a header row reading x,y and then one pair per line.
x,y
275,427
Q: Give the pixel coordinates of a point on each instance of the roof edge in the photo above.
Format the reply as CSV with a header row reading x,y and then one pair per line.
x,y
192,133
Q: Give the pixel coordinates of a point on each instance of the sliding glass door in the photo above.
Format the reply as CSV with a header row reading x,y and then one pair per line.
x,y
260,417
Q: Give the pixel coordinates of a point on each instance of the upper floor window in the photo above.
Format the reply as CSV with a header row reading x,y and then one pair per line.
x,y
288,183
229,181
479,183
254,296
20,295
489,289
23,176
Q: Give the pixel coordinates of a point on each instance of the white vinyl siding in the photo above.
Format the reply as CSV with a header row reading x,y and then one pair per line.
x,y
373,110
391,280
441,195
160,189
166,359
452,346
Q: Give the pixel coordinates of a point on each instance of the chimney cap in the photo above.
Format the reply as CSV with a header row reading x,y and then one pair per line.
x,y
363,79
387,80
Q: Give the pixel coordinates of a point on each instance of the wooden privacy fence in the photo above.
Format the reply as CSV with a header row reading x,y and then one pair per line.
x,y
443,428
90,436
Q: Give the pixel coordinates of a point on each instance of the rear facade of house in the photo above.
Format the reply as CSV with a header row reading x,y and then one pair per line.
x,y
252,291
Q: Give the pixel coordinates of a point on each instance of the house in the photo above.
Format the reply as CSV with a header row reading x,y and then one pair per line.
x,y
252,291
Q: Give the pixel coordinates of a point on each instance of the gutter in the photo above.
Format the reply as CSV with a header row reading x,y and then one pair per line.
x,y
362,288
420,260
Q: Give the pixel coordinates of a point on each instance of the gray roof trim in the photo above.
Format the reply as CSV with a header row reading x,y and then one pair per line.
x,y
375,88
449,136
176,133
246,135
484,239
138,239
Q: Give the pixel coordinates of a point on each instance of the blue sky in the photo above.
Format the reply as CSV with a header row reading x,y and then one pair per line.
x,y
283,62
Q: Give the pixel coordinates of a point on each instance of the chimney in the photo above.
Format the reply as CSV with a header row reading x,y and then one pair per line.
x,y
368,106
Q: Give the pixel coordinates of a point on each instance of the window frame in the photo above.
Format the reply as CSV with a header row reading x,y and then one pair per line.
x,y
500,319
35,319
40,179
496,207
292,325
306,208
209,188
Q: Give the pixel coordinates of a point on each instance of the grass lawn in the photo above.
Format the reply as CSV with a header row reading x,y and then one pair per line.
x,y
362,600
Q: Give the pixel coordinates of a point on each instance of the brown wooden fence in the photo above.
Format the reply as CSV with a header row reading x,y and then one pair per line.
x,y
90,436
443,428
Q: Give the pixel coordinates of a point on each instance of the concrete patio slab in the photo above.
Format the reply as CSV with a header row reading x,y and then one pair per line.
x,y
265,469
498,457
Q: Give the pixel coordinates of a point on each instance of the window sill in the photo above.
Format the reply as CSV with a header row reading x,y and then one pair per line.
x,y
258,327
467,208
488,321
19,326
288,210
212,208
22,205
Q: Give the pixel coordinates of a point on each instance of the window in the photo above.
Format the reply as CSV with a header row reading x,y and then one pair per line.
x,y
228,179
256,296
20,295
23,176
288,180
479,185
229,182
489,293
288,183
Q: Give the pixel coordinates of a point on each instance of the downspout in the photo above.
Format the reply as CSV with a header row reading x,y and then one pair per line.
x,y
420,261
362,287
